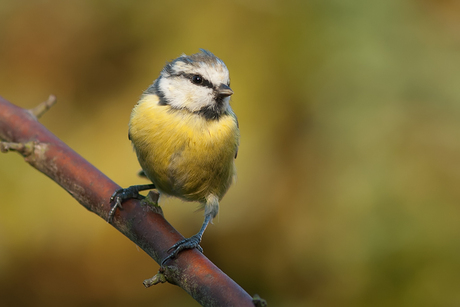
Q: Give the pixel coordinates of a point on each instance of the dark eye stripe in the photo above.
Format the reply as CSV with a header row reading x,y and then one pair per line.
x,y
205,83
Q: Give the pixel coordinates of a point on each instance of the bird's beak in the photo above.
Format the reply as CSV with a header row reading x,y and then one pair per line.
x,y
224,90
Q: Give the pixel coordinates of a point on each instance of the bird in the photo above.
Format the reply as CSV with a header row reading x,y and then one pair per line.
x,y
186,137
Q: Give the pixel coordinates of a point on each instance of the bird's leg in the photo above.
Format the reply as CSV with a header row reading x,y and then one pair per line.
x,y
189,243
121,195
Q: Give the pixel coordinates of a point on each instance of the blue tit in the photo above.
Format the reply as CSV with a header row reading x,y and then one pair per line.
x,y
186,137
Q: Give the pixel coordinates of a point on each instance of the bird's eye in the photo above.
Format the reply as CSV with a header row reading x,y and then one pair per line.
x,y
197,79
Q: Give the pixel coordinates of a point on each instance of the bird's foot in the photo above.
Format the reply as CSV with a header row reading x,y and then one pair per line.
x,y
121,195
189,243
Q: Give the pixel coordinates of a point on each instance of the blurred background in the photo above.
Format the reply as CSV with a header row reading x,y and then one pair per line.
x,y
349,165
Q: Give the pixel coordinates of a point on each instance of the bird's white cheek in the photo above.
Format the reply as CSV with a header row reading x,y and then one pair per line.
x,y
183,94
166,87
198,98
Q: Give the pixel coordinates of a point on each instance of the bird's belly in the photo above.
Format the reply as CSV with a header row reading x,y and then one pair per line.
x,y
186,173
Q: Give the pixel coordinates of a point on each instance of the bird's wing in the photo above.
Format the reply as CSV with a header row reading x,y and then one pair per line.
x,y
238,126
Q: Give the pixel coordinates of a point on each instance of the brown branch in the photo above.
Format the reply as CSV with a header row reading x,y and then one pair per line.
x,y
145,226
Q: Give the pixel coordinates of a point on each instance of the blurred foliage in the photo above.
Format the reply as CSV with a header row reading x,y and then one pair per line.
x,y
348,166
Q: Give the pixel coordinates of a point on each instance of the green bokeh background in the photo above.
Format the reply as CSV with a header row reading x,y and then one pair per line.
x,y
349,165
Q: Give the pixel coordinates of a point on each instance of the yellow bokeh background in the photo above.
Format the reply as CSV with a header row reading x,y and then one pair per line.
x,y
348,190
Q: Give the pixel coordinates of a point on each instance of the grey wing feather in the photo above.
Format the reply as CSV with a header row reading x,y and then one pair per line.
x,y
238,126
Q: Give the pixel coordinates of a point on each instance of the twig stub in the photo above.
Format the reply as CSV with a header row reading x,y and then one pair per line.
x,y
39,110
24,149
158,278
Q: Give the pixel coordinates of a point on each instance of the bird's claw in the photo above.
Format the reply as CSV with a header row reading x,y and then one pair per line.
x,y
124,194
114,195
189,243
117,204
119,196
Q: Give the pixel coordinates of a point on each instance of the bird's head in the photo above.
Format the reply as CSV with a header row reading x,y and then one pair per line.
x,y
199,83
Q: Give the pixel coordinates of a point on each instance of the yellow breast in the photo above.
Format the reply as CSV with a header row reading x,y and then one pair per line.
x,y
184,154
